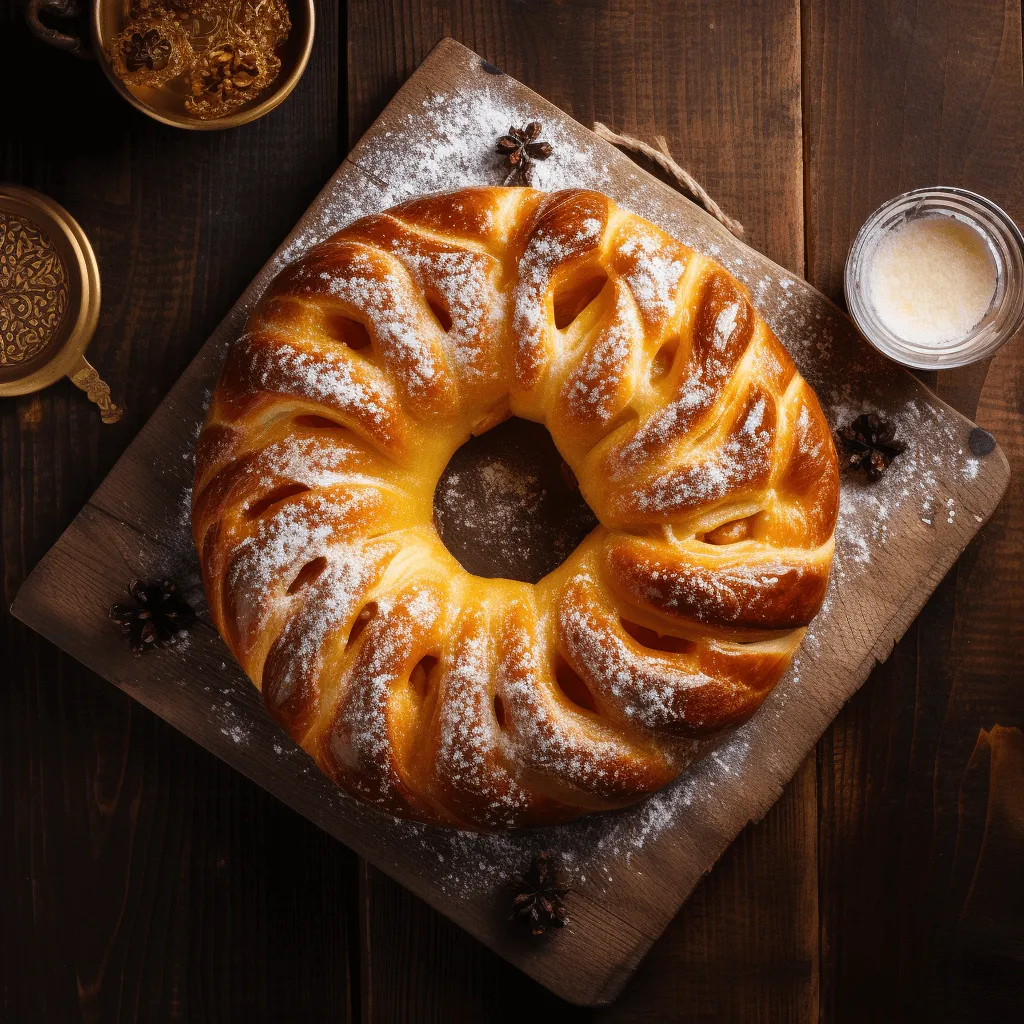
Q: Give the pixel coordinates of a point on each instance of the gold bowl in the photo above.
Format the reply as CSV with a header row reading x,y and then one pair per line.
x,y
166,103
49,299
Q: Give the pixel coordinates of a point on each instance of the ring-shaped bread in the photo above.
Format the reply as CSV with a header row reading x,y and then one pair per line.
x,y
492,703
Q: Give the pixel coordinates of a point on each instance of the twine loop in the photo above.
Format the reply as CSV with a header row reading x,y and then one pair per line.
x,y
664,159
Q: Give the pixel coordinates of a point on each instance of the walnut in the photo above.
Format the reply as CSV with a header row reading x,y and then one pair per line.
x,y
228,75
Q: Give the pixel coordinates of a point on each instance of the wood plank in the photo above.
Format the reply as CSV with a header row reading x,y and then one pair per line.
x,y
634,868
747,940
143,878
900,96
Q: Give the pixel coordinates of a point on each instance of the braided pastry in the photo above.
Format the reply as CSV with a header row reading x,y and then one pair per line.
x,y
492,703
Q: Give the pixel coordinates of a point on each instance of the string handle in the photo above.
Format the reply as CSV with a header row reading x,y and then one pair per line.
x,y
664,159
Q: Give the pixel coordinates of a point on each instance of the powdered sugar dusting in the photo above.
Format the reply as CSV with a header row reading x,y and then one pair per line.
x,y
441,146
282,543
360,738
656,273
743,459
470,743
548,741
391,314
592,389
323,609
498,500
645,696
448,144
548,248
329,377
465,282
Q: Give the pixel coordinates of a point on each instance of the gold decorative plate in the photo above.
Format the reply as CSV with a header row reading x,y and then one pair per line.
x,y
49,299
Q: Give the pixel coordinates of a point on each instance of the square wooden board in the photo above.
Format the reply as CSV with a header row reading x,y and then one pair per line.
x,y
633,869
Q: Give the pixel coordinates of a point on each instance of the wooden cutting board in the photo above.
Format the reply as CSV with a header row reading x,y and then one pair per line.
x,y
633,869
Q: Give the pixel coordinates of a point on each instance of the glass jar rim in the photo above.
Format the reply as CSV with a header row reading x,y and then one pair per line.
x,y
1001,234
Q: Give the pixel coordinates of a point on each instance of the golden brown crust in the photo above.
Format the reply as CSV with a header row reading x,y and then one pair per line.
x,y
489,703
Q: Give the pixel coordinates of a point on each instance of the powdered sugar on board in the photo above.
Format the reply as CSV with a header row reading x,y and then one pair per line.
x,y
447,142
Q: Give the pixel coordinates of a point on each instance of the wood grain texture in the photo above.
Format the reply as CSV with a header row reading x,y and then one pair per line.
x,y
740,135
133,525
900,96
143,879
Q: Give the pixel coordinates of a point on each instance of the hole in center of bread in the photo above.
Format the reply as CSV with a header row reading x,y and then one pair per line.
x,y
506,505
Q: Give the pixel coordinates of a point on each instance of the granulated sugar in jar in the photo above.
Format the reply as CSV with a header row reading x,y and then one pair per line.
x,y
935,278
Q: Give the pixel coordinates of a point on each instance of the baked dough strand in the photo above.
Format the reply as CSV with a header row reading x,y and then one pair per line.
x,y
490,703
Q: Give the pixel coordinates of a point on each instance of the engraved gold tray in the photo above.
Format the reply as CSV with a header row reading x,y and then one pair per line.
x,y
49,299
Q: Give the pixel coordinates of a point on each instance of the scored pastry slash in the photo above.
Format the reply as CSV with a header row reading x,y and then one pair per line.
x,y
871,444
537,903
158,615
520,148
569,477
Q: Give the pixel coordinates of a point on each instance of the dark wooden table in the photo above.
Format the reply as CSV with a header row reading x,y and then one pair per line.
x,y
141,879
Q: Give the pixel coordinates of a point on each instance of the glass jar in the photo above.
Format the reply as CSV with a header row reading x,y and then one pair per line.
x,y
1005,244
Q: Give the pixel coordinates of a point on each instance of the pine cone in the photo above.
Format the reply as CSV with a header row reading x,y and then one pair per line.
x,y
538,895
159,615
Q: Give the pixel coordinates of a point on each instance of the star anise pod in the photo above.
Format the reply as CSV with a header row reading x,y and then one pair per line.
x,y
146,50
520,149
159,614
537,901
871,444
